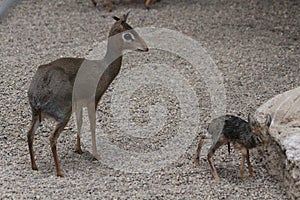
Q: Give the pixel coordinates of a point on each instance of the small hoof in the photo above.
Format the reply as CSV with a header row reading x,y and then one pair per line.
x,y
34,167
60,175
79,151
96,157
217,179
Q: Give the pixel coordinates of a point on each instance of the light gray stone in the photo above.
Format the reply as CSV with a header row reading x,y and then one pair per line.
x,y
283,157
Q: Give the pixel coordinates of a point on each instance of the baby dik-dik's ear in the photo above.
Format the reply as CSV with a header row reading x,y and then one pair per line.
x,y
252,121
268,120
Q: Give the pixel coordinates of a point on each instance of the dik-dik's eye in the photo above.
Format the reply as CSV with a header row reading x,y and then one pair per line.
x,y
258,140
128,37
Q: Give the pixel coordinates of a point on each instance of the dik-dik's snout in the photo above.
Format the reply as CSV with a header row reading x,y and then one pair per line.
x,y
262,140
141,45
260,131
132,41
258,140
143,49
261,135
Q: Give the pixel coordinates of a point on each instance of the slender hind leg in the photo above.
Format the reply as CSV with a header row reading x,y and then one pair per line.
x,y
210,154
30,137
92,119
53,140
79,125
198,151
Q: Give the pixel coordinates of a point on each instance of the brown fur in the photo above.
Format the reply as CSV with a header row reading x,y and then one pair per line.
x,y
244,136
51,89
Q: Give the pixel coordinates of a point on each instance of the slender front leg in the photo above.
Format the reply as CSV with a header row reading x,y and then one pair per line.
x,y
92,118
198,151
244,156
250,169
79,125
213,169
30,138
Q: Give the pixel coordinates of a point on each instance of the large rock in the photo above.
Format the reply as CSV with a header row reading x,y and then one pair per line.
x,y
282,158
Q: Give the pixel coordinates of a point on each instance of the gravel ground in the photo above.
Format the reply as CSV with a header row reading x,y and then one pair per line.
x,y
255,45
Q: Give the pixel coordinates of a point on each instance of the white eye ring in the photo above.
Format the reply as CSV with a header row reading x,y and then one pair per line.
x,y
128,37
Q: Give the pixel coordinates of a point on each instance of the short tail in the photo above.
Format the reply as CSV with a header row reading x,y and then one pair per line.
x,y
228,147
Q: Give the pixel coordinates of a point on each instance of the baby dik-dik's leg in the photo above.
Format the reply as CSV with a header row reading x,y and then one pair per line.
x,y
250,169
244,151
198,151
30,137
210,154
59,127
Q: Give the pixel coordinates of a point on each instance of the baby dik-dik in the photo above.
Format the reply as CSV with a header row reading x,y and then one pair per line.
x,y
51,89
244,136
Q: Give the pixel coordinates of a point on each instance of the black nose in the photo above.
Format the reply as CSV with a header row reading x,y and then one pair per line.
x,y
143,50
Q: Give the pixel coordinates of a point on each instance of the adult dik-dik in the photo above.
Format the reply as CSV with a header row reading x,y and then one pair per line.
x,y
244,136
52,87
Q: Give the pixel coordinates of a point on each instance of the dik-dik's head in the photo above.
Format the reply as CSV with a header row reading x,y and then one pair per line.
x,y
123,34
260,131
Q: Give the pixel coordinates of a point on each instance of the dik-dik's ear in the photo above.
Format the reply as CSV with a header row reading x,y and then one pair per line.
x,y
123,18
116,18
268,120
251,120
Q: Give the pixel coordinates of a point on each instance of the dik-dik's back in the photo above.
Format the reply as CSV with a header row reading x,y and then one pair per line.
x,y
50,91
236,130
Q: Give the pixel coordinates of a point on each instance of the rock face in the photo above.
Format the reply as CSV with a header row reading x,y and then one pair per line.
x,y
282,158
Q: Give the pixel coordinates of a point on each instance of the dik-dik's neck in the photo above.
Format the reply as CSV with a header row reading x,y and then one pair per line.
x,y
250,142
113,58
